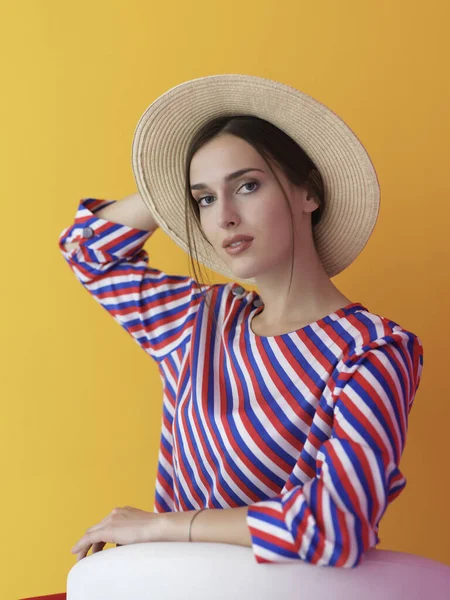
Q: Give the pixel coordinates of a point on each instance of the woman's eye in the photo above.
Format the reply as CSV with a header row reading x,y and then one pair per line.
x,y
242,186
250,183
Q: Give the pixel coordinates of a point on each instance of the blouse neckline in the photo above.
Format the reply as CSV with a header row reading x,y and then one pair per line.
x,y
333,316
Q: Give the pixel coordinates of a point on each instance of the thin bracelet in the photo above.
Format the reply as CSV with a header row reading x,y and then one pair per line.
x,y
192,520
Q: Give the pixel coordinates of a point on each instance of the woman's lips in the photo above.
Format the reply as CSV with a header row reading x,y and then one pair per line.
x,y
241,247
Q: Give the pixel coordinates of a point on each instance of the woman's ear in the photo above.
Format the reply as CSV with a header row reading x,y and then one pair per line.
x,y
310,202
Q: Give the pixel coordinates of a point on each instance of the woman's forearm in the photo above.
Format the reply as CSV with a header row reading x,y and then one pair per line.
x,y
222,525
130,211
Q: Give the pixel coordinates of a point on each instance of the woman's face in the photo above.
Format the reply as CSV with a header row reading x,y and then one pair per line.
x,y
250,203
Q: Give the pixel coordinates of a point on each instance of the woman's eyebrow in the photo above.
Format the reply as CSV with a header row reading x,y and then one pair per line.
x,y
227,178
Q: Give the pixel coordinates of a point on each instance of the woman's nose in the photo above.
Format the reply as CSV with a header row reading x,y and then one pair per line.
x,y
227,213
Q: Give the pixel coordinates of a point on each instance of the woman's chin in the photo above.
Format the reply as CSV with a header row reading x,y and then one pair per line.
x,y
242,267
243,271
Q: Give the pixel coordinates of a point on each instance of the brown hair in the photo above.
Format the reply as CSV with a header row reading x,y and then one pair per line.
x,y
273,145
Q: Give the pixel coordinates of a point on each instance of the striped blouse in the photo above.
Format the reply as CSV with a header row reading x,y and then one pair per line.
x,y
306,428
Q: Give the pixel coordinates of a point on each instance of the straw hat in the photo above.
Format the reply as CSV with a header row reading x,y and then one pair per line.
x,y
164,131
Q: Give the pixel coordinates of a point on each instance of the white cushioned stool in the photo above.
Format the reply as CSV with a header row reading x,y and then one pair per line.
x,y
205,571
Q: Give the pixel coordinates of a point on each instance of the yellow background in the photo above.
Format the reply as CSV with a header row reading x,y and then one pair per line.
x,y
81,402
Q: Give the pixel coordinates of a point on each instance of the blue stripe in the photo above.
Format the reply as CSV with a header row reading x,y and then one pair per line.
x,y
101,207
314,507
162,502
273,548
361,478
205,434
165,475
267,518
334,474
337,535
249,412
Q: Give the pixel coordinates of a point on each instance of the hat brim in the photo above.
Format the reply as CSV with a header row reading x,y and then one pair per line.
x,y
164,131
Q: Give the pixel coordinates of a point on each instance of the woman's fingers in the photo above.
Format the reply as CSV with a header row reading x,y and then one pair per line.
x,y
127,524
97,546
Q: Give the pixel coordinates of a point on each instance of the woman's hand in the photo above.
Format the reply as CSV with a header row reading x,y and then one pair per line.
x,y
125,525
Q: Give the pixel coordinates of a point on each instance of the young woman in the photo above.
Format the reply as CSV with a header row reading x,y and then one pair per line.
x,y
285,411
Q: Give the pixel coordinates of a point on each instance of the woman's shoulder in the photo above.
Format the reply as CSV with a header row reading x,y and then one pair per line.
x,y
369,330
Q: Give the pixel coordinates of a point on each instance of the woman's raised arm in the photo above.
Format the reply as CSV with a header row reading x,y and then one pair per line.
x,y
104,248
130,211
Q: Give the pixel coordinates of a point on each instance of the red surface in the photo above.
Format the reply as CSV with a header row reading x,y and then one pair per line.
x,y
51,597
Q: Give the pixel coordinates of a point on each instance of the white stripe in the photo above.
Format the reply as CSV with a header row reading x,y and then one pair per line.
x,y
270,529
328,532
217,451
351,474
387,403
374,468
271,556
360,404
353,550
259,414
360,344
324,427
379,486
188,457
278,397
328,482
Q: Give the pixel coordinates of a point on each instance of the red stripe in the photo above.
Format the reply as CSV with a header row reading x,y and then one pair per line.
x,y
345,550
212,437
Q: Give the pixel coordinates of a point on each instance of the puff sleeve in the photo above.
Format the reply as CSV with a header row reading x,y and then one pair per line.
x,y
155,308
332,519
